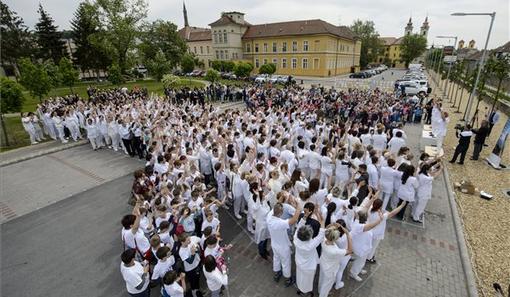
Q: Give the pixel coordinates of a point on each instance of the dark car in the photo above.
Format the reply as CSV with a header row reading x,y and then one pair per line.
x,y
358,75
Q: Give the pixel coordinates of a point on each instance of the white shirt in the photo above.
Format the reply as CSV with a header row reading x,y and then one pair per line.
x,y
407,191
306,251
361,240
379,141
425,186
174,290
395,144
135,241
162,267
278,231
215,279
373,176
185,253
133,277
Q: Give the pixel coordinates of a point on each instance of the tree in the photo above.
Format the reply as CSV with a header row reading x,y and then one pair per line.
x,y
212,75
159,65
187,63
115,74
85,24
49,39
53,72
228,66
501,70
11,100
68,74
16,39
371,45
243,69
267,69
162,36
120,26
170,80
34,78
217,65
413,45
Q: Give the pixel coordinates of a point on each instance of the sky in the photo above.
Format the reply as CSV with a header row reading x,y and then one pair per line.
x,y
389,16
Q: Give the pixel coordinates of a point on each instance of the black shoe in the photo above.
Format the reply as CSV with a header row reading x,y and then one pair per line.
x,y
289,282
372,261
451,162
460,163
417,221
473,159
277,276
485,144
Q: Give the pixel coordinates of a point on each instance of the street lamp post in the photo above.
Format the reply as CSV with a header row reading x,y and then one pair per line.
x,y
438,76
446,84
482,60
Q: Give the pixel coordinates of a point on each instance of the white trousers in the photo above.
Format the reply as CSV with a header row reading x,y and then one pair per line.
x,y
419,207
116,143
386,198
358,264
93,142
375,244
439,142
282,261
325,180
75,132
61,133
239,204
32,135
326,281
340,272
304,279
394,200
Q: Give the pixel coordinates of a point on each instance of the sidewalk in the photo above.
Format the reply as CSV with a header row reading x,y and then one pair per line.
x,y
483,222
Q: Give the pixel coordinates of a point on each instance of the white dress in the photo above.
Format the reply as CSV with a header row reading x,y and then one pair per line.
x,y
260,213
329,265
306,260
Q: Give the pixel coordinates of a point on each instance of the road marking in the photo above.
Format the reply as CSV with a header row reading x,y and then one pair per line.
x,y
6,211
77,168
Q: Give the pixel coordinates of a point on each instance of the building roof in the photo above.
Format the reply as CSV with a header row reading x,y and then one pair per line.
x,y
195,34
391,40
304,27
505,48
226,20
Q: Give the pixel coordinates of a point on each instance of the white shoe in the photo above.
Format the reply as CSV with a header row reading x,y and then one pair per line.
x,y
251,231
363,272
35,142
115,149
238,216
355,277
245,211
339,285
65,141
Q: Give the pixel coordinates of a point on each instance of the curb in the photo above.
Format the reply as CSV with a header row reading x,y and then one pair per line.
x,y
464,254
43,152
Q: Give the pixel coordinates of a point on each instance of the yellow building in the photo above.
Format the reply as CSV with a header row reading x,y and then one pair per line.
x,y
198,41
302,48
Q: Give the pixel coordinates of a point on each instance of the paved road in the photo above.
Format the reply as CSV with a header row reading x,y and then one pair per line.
x,y
387,76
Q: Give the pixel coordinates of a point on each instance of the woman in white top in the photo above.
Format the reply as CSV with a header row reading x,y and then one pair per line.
x,y
260,210
327,166
59,125
306,255
29,128
171,286
342,170
362,242
92,133
274,185
407,190
424,192
386,181
39,136
215,277
298,183
331,257
379,230
73,125
113,133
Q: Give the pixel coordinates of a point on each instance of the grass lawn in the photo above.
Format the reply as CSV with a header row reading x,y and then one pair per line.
x,y
18,137
81,89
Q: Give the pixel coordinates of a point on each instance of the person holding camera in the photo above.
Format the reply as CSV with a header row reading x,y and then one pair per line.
x,y
464,139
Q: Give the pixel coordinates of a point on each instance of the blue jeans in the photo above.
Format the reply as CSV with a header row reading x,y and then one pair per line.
x,y
263,249
145,293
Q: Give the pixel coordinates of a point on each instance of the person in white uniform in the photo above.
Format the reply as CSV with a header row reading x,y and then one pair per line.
x,y
362,243
407,189
135,274
424,192
330,258
260,211
306,256
29,128
387,180
215,277
280,243
441,127
92,133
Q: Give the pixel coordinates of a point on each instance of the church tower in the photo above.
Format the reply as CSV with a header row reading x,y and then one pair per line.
x,y
424,31
409,28
185,12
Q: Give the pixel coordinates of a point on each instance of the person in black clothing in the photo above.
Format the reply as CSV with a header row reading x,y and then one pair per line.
x,y
464,139
308,210
480,135
362,182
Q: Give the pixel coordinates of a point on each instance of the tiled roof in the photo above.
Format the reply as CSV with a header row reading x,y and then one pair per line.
x,y
195,34
225,20
304,27
392,40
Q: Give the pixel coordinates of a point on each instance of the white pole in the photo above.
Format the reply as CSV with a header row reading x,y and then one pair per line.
x,y
481,65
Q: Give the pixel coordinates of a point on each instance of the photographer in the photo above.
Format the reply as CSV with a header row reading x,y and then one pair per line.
x,y
481,134
464,139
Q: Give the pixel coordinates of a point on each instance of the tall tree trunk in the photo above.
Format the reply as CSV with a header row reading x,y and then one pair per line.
x,y
460,99
4,130
456,93
496,96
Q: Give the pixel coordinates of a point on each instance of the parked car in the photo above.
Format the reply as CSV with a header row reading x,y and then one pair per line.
x,y
262,78
358,75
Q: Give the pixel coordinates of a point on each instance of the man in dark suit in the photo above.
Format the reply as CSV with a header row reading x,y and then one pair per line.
x,y
464,140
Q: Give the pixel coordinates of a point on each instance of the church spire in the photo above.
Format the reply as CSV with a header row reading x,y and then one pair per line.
x,y
409,28
185,12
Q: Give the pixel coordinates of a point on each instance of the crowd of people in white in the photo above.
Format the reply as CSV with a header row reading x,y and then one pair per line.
x,y
318,172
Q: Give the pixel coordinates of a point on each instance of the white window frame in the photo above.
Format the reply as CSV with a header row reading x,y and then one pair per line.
x,y
293,63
